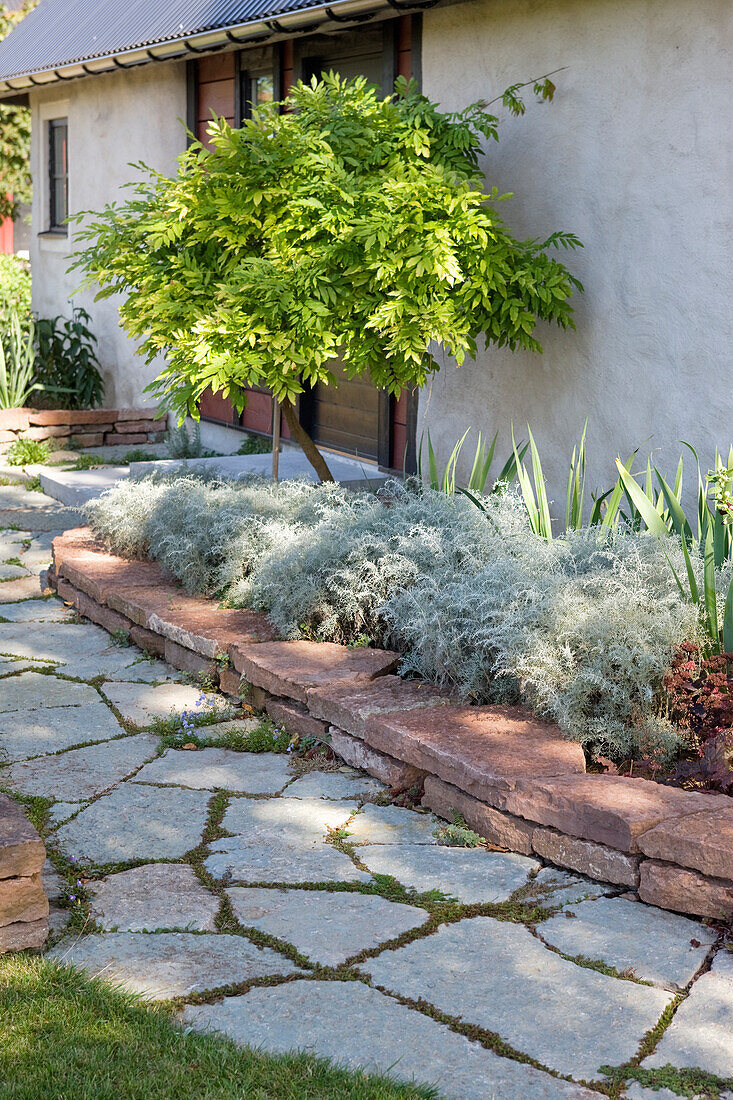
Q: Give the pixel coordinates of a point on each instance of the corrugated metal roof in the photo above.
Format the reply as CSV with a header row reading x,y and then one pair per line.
x,y
63,32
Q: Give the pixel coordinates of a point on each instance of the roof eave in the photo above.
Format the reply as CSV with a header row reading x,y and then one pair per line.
x,y
297,22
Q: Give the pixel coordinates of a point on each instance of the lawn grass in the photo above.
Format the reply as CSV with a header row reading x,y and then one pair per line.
x,y
67,1037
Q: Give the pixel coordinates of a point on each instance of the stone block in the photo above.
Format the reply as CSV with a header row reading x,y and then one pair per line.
x,y
111,438
7,436
595,860
187,660
353,751
22,899
23,936
97,573
295,719
229,682
89,439
702,841
684,891
498,828
127,427
14,420
47,417
148,412
200,625
52,431
97,613
609,809
22,852
147,640
484,751
349,705
293,669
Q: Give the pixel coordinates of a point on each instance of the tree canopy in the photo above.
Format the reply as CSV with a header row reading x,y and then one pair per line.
x,y
342,226
15,136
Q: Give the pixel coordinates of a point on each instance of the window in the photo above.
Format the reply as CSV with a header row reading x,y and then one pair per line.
x,y
256,88
58,174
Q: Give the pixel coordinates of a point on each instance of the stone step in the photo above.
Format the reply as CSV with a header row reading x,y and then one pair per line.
x,y
348,706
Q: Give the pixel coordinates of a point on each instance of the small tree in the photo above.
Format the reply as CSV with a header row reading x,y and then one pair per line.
x,y
346,227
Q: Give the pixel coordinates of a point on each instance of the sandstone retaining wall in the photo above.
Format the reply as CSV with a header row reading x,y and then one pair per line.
x,y
84,427
513,778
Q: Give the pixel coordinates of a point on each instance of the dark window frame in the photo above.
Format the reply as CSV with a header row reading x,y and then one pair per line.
x,y
56,217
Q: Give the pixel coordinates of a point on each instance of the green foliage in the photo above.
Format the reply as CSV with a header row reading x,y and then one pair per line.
x,y
88,462
255,445
15,294
17,366
345,227
27,452
185,443
479,476
15,135
66,361
138,454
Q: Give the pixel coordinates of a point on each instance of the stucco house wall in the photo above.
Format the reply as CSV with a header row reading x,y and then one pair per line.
x,y
114,119
634,156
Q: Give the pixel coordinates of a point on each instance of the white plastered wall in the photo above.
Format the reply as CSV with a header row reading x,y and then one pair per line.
x,y
114,119
635,157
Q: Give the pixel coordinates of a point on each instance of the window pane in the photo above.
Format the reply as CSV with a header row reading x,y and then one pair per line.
x,y
59,207
263,90
60,131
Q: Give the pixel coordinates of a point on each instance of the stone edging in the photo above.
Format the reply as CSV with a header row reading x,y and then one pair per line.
x,y
23,901
514,779
84,427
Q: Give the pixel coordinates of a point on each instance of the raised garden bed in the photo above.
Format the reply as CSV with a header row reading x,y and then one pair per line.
x,y
83,427
516,780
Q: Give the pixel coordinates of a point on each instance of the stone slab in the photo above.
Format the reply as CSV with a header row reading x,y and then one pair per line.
x,y
94,571
685,891
219,769
595,860
172,964
498,976
391,1038
348,706
472,875
296,821
293,669
553,889
52,729
346,784
701,841
264,859
609,809
294,718
54,643
96,612
80,774
23,589
61,812
391,825
655,946
701,1032
325,926
35,691
136,822
501,830
22,852
186,660
23,936
141,704
207,629
9,572
394,773
483,751
158,895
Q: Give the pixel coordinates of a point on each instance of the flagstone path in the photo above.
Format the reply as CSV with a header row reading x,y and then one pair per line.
x,y
292,908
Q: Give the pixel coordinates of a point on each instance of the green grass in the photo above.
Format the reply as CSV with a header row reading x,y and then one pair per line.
x,y
67,1037
264,738
25,452
87,462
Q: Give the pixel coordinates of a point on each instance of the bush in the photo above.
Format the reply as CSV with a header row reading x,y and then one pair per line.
x,y
581,628
27,452
66,362
15,293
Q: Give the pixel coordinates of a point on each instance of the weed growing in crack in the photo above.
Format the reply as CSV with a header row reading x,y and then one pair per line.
x,y
682,1082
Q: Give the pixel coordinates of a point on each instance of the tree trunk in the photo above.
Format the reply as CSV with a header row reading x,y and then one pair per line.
x,y
300,435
